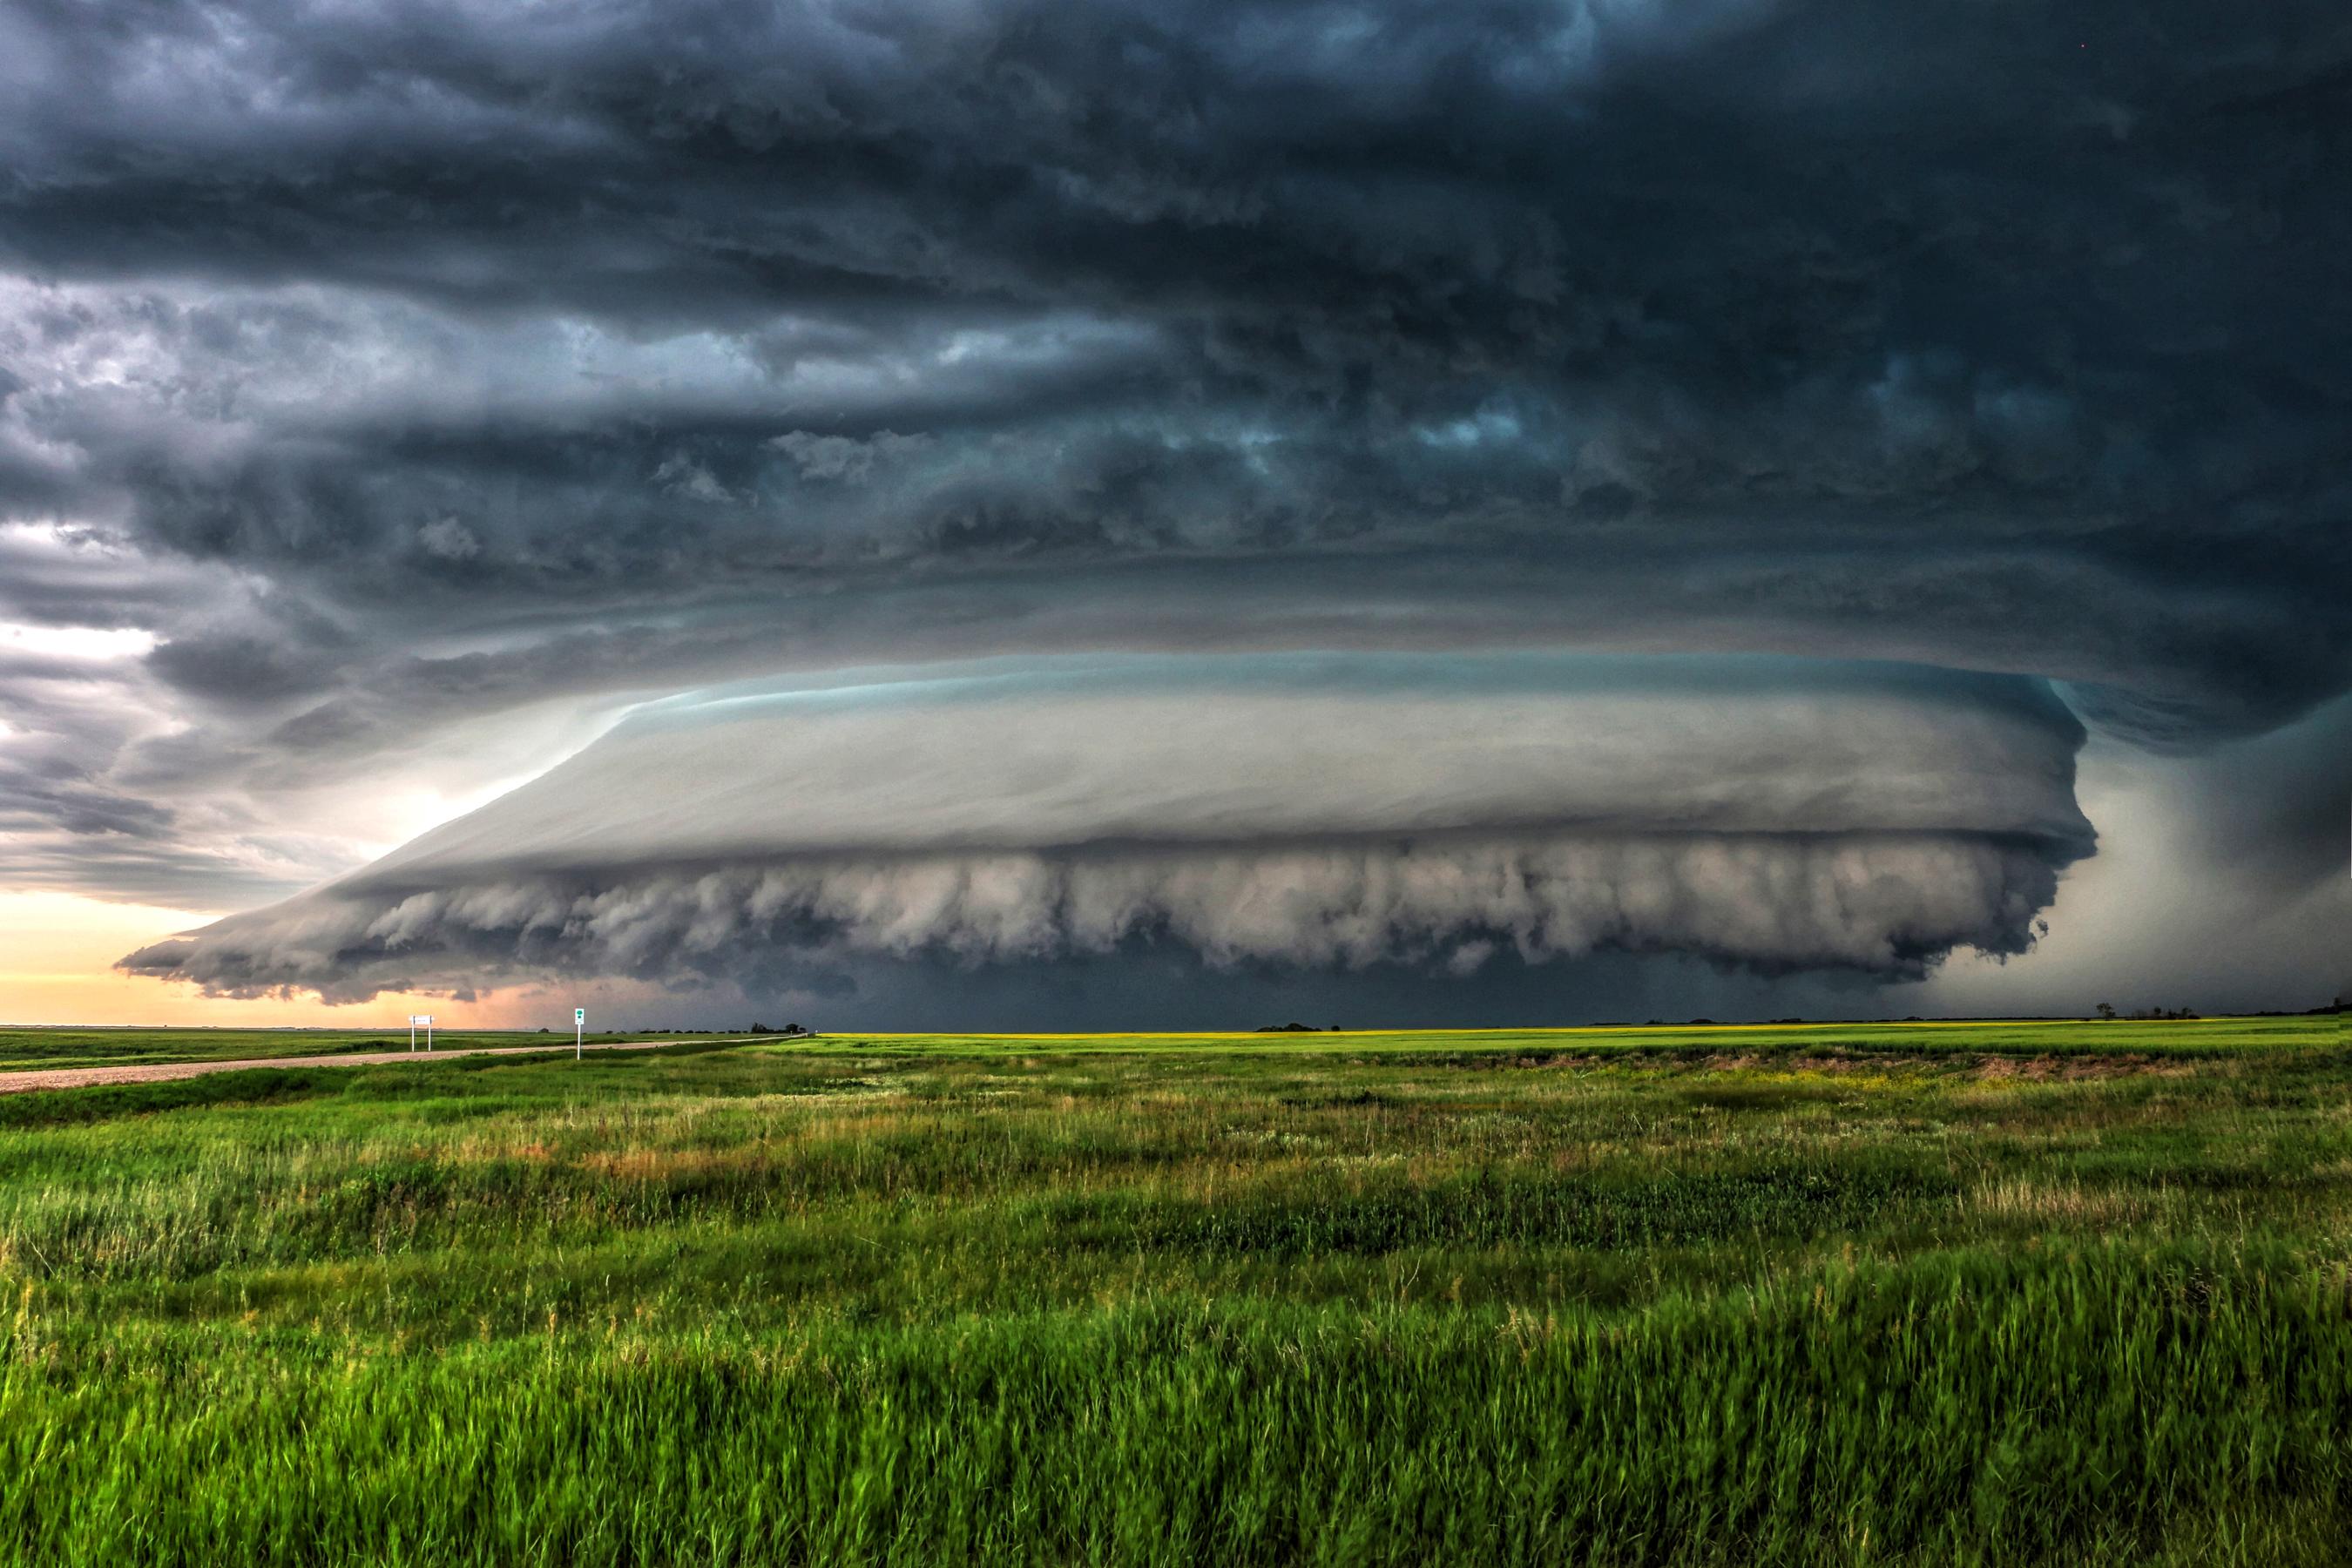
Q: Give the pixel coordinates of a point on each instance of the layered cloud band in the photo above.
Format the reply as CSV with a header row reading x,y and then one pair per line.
x,y
1303,809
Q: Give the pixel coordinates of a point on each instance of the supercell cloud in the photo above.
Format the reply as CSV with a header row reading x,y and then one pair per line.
x,y
1304,811
392,399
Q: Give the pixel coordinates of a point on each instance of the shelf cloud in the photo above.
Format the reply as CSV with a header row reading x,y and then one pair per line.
x,y
1320,812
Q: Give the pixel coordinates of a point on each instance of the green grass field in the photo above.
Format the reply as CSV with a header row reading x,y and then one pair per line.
x,y
2049,1293
24,1048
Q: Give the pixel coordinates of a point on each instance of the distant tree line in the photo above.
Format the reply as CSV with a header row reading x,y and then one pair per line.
x,y
2107,1014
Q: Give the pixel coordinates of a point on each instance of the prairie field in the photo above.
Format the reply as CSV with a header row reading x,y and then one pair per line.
x,y
29,1047
1927,1293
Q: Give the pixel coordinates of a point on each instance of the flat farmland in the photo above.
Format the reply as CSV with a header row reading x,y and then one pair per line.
x,y
2033,1293
26,1047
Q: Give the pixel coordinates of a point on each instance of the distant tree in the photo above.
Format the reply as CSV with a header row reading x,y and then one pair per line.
x,y
757,1029
2107,1010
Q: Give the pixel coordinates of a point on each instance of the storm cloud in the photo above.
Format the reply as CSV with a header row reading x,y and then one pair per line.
x,y
1313,812
427,387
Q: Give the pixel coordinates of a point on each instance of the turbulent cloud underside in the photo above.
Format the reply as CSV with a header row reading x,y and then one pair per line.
x,y
1303,812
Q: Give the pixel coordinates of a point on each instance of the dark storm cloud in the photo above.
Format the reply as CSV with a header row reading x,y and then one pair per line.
x,y
66,821
461,306
407,366
1307,812
2224,883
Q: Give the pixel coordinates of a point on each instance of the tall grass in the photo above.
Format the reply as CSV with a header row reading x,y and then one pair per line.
x,y
868,1302
1951,1409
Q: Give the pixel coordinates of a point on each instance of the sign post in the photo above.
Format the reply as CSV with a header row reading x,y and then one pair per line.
x,y
579,1023
429,1031
412,1031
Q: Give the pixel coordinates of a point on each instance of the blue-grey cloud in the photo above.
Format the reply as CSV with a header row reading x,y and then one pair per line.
x,y
407,372
1313,812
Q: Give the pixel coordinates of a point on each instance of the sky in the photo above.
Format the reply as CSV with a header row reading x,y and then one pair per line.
x,y
1094,515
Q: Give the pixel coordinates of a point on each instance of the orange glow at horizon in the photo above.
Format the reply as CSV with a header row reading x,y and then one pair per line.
x,y
57,966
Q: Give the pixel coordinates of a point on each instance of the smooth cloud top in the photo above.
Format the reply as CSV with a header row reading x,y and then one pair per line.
x,y
1302,811
1072,753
